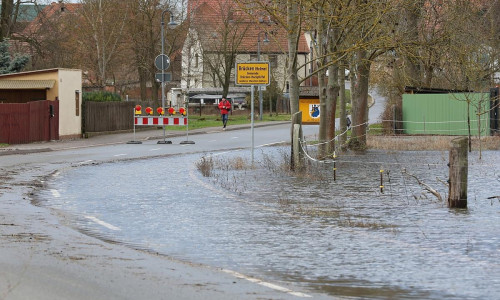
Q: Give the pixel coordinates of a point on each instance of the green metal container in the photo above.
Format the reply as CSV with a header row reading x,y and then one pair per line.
x,y
446,114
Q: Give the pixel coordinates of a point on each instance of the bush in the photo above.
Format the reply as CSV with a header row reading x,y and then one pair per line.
x,y
101,97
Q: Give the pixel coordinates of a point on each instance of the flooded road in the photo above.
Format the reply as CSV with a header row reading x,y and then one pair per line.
x,y
343,238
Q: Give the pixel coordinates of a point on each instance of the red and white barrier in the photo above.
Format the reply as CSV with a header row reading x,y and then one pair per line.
x,y
161,121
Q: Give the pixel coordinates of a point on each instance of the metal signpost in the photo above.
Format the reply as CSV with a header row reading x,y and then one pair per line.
x,y
187,141
162,62
251,74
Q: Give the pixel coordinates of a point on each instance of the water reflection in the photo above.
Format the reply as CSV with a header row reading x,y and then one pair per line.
x,y
343,237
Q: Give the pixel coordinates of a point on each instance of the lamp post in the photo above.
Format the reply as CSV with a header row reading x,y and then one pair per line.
x,y
312,66
266,40
172,24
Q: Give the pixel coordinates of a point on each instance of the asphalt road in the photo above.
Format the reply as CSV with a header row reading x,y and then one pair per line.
x,y
44,257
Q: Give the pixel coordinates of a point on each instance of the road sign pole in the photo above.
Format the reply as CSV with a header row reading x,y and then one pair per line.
x,y
163,62
252,74
162,74
186,103
252,118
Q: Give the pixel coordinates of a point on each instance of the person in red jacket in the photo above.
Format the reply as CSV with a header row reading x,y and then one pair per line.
x,y
225,107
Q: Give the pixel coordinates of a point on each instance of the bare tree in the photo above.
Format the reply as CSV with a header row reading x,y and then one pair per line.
x,y
375,33
143,28
220,31
101,34
472,61
7,18
50,40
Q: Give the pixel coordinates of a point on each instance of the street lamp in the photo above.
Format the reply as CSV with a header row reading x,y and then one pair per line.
x,y
266,41
172,24
312,66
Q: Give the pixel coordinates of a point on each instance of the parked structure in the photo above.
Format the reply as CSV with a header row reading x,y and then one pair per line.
x,y
60,87
441,113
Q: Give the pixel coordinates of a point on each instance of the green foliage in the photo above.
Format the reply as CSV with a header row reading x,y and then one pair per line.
x,y
101,97
9,64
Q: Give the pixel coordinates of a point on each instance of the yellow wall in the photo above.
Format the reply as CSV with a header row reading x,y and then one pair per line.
x,y
308,115
67,81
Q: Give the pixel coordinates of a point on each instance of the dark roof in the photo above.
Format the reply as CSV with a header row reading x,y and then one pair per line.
x,y
28,12
309,91
423,90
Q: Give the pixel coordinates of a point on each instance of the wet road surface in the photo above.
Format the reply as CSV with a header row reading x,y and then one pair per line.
x,y
341,238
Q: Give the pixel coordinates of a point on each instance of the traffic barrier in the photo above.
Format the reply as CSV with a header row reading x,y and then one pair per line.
x,y
161,120
181,121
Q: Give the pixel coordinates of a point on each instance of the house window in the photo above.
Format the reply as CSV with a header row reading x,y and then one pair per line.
x,y
77,102
196,59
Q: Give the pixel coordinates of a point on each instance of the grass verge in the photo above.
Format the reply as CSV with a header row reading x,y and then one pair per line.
x,y
197,122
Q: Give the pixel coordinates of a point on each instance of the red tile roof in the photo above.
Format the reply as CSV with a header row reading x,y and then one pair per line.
x,y
210,15
48,13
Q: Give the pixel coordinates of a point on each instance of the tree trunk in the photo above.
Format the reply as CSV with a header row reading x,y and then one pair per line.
x,y
342,107
412,14
293,33
5,19
321,41
332,91
142,83
360,102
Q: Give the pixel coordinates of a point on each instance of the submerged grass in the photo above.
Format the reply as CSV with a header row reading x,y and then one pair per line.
x,y
237,174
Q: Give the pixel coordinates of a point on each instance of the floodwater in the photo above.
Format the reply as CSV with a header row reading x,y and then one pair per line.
x,y
343,237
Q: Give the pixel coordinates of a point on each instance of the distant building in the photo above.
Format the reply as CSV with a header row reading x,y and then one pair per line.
x,y
61,85
212,23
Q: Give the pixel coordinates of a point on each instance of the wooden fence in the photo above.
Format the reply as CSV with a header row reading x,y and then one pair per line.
x,y
115,116
22,123
107,116
111,116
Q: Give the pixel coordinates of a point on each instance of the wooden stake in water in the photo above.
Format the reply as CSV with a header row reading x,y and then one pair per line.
x,y
459,165
381,180
334,167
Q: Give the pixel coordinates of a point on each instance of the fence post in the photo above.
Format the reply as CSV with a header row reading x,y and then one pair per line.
x,y
457,196
296,136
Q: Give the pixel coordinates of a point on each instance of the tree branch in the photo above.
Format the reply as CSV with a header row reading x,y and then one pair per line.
x,y
424,185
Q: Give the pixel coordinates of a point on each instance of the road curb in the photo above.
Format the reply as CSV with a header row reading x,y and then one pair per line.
x,y
117,138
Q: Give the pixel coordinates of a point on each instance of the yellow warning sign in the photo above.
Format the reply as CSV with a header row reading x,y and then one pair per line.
x,y
252,73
